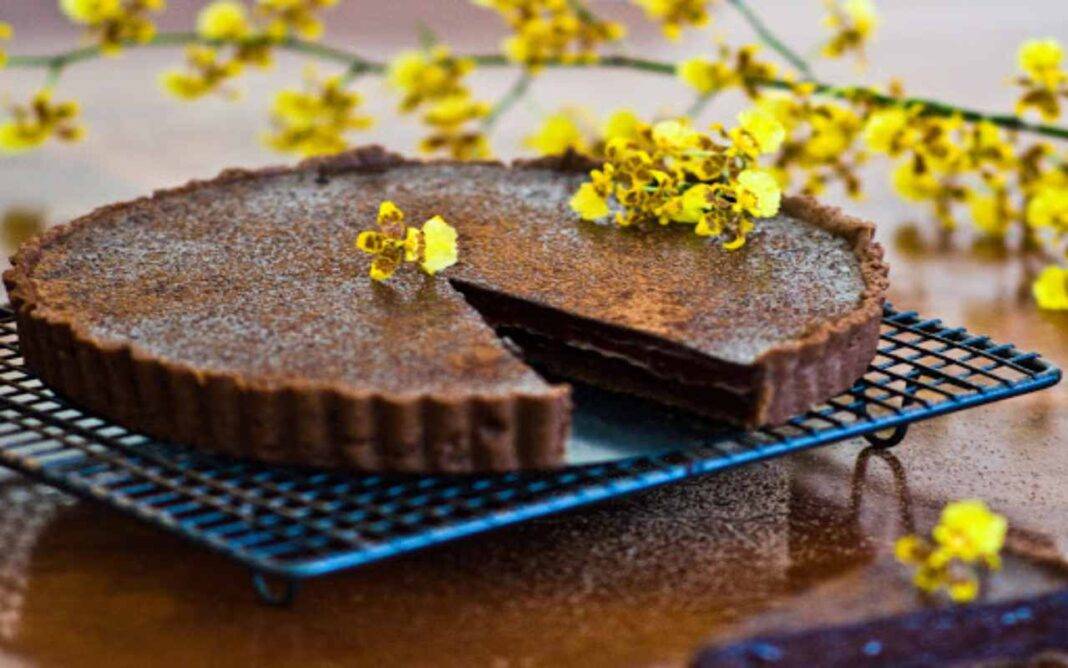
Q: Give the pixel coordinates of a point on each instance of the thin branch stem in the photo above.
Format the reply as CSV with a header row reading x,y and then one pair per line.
x,y
358,64
769,38
508,100
698,105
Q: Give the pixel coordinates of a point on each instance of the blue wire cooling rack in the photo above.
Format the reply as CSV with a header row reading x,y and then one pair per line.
x,y
297,523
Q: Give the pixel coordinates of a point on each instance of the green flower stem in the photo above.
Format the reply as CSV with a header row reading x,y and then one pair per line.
x,y
507,101
359,65
698,105
769,38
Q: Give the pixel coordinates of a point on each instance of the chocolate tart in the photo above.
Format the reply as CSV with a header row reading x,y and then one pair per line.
x,y
235,315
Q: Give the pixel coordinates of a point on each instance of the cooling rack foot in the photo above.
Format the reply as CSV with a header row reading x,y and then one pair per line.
x,y
890,440
273,590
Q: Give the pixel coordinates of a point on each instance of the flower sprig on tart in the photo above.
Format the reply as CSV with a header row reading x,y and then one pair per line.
x,y
433,246
669,172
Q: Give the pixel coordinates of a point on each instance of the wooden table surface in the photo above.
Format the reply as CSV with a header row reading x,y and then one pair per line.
x,y
791,544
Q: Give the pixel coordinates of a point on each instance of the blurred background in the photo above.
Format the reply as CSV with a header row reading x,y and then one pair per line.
x,y
140,138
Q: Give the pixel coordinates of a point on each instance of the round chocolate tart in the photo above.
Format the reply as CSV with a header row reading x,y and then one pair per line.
x,y
236,316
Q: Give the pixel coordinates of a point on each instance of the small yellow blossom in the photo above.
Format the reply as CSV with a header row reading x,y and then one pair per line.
x,y
433,246
33,124
456,110
673,15
834,128
112,23
1044,79
459,145
739,68
299,17
852,22
621,124
1050,289
1040,59
694,203
968,536
557,134
884,130
223,20
205,73
547,30
6,32
783,106
427,76
588,203
675,135
314,121
758,193
913,182
1048,208
991,213
971,532
706,76
758,131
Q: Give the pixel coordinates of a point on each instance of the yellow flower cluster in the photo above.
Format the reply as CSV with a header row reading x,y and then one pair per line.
x,y
1043,77
968,536
544,31
315,121
299,17
433,246
1046,214
739,68
1050,289
937,153
32,125
432,79
572,128
207,70
820,140
224,21
671,173
674,15
558,133
112,23
6,32
205,73
852,23
250,42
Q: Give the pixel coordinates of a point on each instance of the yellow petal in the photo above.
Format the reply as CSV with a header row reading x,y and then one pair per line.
x,y
883,129
758,193
223,20
588,203
557,133
764,128
439,245
1050,289
1037,57
621,124
388,212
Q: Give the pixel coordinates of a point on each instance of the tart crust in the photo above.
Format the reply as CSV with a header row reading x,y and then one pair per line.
x,y
332,425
